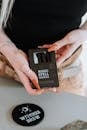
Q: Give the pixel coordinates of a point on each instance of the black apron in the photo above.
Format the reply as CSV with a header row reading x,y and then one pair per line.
x,y
38,22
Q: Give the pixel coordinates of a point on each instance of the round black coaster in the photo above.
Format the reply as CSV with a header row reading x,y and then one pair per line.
x,y
27,114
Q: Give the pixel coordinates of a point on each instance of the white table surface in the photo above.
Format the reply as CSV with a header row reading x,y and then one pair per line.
x,y
60,109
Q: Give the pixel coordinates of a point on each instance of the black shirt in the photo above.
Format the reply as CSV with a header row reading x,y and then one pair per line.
x,y
37,22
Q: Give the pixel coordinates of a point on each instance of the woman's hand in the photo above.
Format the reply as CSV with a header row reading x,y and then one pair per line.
x,y
65,47
19,61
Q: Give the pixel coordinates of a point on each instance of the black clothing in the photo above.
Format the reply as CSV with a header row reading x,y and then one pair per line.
x,y
37,22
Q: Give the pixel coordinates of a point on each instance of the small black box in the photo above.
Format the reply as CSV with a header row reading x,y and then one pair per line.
x,y
43,63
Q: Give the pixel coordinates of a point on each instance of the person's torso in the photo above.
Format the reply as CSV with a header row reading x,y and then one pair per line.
x,y
36,22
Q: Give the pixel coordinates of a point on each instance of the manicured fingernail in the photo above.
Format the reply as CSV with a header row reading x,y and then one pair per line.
x,y
36,84
48,50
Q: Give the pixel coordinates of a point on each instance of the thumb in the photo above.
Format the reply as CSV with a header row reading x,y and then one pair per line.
x,y
45,46
59,44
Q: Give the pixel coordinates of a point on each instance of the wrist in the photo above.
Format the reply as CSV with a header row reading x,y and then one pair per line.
x,y
6,44
8,47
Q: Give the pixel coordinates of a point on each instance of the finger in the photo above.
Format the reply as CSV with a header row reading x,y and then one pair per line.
x,y
57,45
36,84
67,53
39,92
62,51
45,46
57,56
55,90
32,76
27,84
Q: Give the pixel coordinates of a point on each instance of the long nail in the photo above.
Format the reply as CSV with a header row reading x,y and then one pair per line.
x,y
36,84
